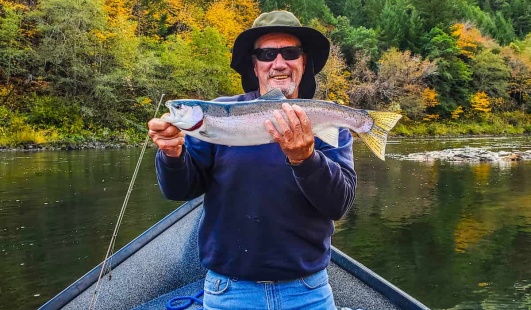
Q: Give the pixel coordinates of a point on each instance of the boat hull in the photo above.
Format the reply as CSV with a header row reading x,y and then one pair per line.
x,y
163,263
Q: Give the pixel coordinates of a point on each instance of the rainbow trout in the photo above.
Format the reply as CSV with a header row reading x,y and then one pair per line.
x,y
242,123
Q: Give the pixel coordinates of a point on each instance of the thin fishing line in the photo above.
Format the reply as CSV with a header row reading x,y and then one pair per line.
x,y
110,250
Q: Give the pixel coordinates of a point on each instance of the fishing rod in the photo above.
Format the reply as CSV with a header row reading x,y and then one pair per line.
x,y
110,250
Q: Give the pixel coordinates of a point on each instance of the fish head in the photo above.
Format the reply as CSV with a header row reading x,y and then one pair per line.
x,y
184,114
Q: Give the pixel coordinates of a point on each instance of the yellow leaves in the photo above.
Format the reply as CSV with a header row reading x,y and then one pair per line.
x,y
480,102
431,117
332,81
144,101
184,15
231,19
14,5
429,97
457,112
99,35
469,39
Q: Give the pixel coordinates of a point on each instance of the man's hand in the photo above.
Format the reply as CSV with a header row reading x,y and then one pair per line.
x,y
294,134
167,137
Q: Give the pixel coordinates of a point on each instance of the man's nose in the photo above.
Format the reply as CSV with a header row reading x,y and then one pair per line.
x,y
279,62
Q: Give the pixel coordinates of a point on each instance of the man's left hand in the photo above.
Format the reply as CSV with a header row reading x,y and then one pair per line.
x,y
294,134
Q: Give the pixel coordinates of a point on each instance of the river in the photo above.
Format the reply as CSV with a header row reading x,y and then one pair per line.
x,y
454,236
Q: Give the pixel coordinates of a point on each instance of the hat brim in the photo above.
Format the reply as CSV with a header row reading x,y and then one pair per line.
x,y
315,44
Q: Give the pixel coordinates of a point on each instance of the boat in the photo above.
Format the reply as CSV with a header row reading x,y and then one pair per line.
x,y
162,265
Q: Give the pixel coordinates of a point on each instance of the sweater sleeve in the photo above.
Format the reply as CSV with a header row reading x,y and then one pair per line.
x,y
185,177
328,179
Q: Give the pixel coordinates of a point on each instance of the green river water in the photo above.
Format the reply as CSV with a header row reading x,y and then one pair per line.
x,y
454,236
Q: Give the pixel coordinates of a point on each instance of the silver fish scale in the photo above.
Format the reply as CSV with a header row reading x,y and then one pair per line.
x,y
243,124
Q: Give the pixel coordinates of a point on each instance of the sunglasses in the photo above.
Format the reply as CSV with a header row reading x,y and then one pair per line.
x,y
270,54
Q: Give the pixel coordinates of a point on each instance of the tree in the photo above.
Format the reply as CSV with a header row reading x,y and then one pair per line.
x,y
436,13
69,47
480,103
355,41
518,55
231,19
305,10
453,75
351,9
490,74
469,39
16,51
400,84
332,83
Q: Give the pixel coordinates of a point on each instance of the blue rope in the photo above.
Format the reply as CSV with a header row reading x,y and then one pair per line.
x,y
189,301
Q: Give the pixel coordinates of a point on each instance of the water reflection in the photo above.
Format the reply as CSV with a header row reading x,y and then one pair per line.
x,y
57,214
454,236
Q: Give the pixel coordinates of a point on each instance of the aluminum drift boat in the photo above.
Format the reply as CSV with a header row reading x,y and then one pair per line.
x,y
163,263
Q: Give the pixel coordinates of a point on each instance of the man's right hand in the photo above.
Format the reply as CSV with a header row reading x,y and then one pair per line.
x,y
167,137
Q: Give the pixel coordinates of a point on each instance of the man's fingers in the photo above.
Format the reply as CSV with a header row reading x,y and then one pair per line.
x,y
272,131
306,126
294,122
157,124
284,127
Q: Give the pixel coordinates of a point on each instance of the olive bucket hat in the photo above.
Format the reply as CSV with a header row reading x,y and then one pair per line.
x,y
315,45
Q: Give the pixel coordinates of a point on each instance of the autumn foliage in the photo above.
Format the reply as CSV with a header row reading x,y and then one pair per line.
x,y
78,67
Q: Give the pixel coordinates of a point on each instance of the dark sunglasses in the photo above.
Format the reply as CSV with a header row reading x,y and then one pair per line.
x,y
269,54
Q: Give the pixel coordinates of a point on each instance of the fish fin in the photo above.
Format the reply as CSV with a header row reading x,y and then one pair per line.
x,y
385,120
207,134
376,138
329,135
274,94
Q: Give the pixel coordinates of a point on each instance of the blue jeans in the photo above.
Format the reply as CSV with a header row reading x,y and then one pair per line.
x,y
309,293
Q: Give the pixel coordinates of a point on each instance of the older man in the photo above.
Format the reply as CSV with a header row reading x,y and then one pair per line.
x,y
268,209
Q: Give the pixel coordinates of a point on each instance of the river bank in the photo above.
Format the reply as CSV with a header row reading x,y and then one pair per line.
x,y
69,146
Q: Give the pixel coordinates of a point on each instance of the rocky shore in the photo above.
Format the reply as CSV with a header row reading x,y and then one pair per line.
x,y
467,154
67,146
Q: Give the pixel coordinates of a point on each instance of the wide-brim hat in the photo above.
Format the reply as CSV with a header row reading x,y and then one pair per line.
x,y
315,45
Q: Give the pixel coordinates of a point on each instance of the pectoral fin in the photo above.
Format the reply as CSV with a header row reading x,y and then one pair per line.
x,y
207,134
329,135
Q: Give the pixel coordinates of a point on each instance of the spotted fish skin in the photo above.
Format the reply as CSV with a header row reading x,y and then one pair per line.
x,y
242,123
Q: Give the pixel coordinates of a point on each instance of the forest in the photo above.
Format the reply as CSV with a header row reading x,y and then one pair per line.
x,y
79,71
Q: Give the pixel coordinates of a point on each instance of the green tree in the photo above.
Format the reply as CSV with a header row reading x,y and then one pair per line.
x,y
453,76
399,26
16,53
352,9
198,68
355,41
436,13
305,10
69,47
503,31
490,74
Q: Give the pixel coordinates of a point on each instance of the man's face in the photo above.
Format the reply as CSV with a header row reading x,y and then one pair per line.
x,y
279,73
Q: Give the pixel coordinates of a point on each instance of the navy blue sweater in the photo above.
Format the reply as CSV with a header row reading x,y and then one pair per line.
x,y
264,219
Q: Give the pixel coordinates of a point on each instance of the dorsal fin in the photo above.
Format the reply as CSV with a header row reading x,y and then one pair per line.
x,y
274,94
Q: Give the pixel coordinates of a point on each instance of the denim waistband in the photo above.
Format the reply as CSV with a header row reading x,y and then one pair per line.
x,y
277,281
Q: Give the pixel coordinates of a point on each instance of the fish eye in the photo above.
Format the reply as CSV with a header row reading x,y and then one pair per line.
x,y
178,106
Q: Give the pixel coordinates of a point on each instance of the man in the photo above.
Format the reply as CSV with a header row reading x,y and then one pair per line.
x,y
268,209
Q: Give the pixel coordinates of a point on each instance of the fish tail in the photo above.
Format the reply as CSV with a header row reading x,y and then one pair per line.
x,y
376,138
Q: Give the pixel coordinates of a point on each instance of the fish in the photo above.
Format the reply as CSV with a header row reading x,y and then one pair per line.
x,y
242,123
